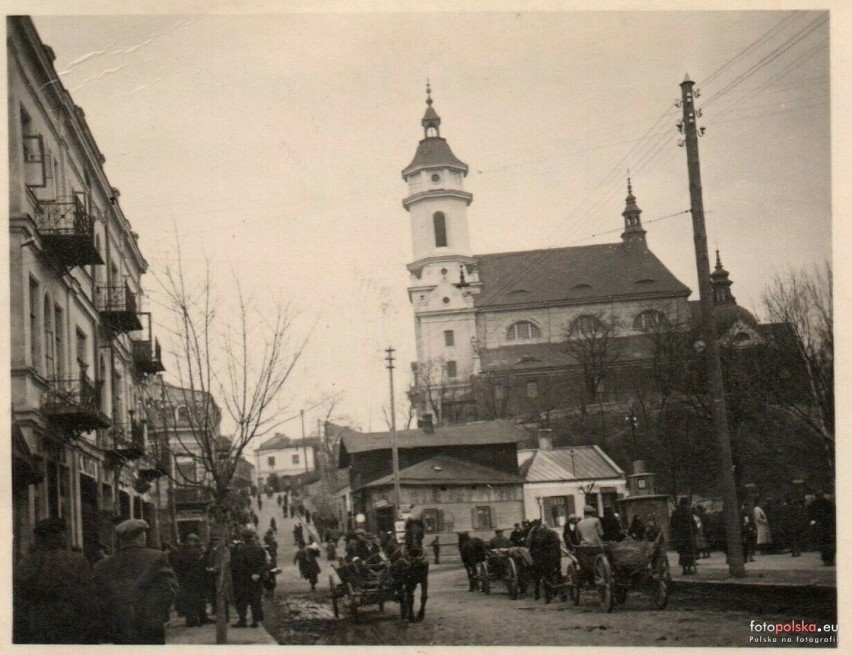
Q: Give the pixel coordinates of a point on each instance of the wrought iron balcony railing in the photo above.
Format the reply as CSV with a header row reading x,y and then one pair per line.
x,y
68,232
125,442
117,306
74,404
147,356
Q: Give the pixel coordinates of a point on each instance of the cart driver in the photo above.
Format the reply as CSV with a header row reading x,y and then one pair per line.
x,y
359,546
589,528
499,540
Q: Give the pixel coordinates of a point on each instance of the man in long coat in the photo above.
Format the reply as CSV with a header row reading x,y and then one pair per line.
x,y
683,536
54,592
248,565
136,587
188,564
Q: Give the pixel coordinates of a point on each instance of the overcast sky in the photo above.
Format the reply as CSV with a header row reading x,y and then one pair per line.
x,y
273,144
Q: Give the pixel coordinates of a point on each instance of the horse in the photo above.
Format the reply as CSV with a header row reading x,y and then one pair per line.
x,y
473,552
546,552
410,568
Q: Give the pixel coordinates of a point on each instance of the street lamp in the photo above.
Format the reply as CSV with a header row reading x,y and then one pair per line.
x,y
633,422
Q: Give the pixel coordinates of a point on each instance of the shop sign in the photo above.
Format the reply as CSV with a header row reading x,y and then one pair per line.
x,y
88,466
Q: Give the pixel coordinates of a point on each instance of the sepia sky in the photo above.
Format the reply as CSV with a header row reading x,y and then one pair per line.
x,y
272,145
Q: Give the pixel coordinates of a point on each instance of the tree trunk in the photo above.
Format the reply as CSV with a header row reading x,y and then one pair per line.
x,y
223,576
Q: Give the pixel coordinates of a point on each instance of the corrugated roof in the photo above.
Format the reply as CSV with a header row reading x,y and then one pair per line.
x,y
577,273
432,152
466,434
587,463
443,469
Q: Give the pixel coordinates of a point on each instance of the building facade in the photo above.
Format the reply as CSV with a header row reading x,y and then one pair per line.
x,y
81,344
281,461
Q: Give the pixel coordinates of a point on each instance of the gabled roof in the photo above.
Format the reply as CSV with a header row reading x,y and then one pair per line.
x,y
575,463
444,469
580,274
467,434
281,441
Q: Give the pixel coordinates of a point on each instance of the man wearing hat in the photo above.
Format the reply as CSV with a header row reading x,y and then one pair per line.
x,y
54,592
589,528
188,563
359,546
499,540
248,564
136,586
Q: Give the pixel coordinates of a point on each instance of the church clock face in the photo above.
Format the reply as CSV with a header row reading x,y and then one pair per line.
x,y
436,177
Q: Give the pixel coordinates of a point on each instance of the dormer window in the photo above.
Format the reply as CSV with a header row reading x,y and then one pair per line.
x,y
523,331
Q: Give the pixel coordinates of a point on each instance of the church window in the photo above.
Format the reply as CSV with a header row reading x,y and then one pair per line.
x,y
523,331
446,300
449,338
440,223
650,319
585,325
452,369
436,177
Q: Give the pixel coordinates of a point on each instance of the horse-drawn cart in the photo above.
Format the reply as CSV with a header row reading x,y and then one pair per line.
x,y
357,584
614,568
506,565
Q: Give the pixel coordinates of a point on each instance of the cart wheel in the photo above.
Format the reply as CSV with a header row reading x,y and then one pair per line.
x,y
353,601
572,582
484,582
511,578
334,604
662,581
604,582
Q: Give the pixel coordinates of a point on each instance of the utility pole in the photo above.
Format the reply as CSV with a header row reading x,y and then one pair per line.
x,y
304,444
714,366
394,446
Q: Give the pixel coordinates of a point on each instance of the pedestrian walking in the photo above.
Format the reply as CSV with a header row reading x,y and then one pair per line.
x,y
306,560
436,548
136,587
330,549
188,564
797,527
271,546
54,593
298,534
255,520
273,526
761,524
822,516
749,536
682,531
308,516
248,564
700,542
278,500
259,503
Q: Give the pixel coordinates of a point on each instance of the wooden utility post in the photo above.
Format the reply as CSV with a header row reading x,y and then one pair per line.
x,y
736,565
394,446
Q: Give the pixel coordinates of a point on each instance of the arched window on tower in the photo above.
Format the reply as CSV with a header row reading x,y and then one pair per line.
x,y
440,222
523,331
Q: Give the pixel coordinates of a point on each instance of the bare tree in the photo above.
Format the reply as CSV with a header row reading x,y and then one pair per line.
x,y
245,360
433,391
589,339
802,301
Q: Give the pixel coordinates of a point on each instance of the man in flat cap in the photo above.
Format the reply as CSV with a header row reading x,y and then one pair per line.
x,y
499,540
137,587
248,564
54,592
589,528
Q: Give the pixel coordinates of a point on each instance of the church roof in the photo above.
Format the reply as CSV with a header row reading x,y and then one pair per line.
x,y
445,469
434,152
725,316
573,274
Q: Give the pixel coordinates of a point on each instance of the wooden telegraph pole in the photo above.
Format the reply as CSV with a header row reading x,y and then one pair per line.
x,y
394,445
736,565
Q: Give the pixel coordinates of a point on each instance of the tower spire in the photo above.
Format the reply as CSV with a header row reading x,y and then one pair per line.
x,y
721,283
431,121
633,233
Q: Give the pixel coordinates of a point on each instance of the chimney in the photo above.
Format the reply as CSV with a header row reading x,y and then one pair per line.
x,y
545,439
425,422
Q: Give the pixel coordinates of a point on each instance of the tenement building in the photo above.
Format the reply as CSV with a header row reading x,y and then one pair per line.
x,y
81,344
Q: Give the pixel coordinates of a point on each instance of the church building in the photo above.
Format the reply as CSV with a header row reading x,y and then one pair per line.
x,y
478,315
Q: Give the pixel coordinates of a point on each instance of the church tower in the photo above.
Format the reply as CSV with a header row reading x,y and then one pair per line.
x,y
634,233
443,274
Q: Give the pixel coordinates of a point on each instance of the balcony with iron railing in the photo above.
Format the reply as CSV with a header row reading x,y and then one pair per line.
x,y
147,355
125,442
191,496
74,404
117,306
157,461
67,231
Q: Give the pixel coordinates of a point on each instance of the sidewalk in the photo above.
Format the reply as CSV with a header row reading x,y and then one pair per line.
x,y
178,633
780,570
